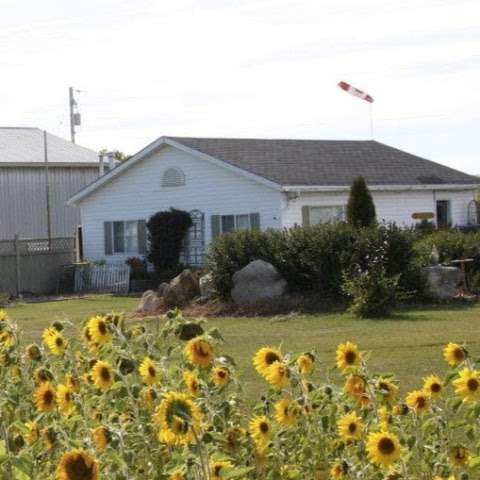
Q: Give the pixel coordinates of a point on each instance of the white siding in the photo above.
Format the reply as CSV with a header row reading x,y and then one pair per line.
x,y
137,194
395,206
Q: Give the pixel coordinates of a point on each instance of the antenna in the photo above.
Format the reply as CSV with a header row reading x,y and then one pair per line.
x,y
75,117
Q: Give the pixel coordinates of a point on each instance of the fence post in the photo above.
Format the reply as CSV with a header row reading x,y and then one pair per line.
x,y
18,283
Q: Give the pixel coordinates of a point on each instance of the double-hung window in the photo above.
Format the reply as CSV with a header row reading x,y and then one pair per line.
x,y
231,223
125,237
314,215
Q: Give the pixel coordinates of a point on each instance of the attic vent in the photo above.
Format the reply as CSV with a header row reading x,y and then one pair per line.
x,y
430,180
173,177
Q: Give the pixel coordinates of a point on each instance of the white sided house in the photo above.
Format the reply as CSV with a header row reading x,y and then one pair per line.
x,y
234,184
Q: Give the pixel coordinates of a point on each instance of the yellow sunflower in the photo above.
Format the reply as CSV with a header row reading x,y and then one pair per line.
x,y
45,397
418,401
72,382
338,470
356,386
383,448
305,363
387,389
277,375
42,375
459,456
454,354
149,395
54,340
233,438
65,399
350,426
149,372
3,315
467,385
220,376
265,357
261,431
102,375
177,475
33,352
199,352
192,383
179,419
101,437
383,417
31,435
287,412
49,437
433,385
218,468
76,465
451,477
99,330
348,356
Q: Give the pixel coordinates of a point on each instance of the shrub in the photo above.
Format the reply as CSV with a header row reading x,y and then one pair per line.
x,y
166,231
138,269
360,206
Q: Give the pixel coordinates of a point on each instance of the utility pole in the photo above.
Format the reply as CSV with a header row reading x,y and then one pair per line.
x,y
47,188
75,118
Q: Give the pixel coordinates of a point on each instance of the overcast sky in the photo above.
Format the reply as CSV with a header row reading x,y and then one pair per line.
x,y
247,68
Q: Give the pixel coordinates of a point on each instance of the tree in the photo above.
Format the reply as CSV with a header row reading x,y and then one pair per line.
x,y
360,206
166,231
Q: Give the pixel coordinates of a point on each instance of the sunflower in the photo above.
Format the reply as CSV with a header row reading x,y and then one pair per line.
x,y
356,386
77,465
387,389
45,397
192,383
72,382
383,448
338,470
459,456
348,356
218,468
99,330
287,412
277,375
42,375
233,438
454,354
451,477
149,395
101,438
305,363
467,385
261,431
31,435
49,437
54,340
264,358
418,401
102,375
220,376
199,351
383,417
179,419
350,426
65,399
177,475
3,315
33,352
149,372
433,385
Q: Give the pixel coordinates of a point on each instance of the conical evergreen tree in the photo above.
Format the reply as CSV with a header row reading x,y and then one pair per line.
x,y
360,206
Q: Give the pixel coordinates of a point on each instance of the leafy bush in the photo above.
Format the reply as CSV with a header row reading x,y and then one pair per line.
x,y
138,270
360,206
166,231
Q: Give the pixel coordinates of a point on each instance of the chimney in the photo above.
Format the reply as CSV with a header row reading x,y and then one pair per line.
x,y
111,160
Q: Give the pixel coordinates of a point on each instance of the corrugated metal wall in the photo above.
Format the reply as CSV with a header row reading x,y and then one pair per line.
x,y
23,203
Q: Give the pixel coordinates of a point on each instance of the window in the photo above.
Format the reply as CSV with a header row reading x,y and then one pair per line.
x,y
443,213
230,223
313,215
173,177
125,237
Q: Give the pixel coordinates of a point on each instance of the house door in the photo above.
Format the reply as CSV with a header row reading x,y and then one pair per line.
x,y
443,213
194,244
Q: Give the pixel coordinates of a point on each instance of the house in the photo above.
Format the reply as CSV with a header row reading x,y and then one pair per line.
x,y
25,178
233,184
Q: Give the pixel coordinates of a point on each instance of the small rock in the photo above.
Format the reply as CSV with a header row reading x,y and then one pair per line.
x,y
162,289
207,286
182,289
150,302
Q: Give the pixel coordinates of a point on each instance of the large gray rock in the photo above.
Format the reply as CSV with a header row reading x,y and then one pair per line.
x,y
258,282
183,288
150,303
442,282
207,286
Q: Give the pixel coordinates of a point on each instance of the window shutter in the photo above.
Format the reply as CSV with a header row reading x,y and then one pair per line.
x,y
305,215
255,221
107,234
215,221
142,237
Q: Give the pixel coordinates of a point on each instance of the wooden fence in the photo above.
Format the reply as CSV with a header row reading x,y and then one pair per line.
x,y
102,278
34,265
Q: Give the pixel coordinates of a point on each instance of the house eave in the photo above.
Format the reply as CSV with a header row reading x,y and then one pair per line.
x,y
379,188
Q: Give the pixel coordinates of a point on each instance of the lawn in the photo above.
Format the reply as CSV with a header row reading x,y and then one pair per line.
x,y
408,344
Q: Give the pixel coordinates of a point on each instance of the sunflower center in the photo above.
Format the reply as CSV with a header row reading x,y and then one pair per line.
x,y
102,328
271,357
350,356
352,428
421,402
48,397
435,387
458,354
264,428
202,350
386,446
472,384
77,469
222,374
151,371
460,454
59,342
105,374
217,469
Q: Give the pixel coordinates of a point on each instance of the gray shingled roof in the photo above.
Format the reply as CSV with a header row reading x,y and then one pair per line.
x,y
327,162
25,145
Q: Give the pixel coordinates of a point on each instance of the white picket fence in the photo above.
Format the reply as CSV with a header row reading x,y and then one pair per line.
x,y
102,278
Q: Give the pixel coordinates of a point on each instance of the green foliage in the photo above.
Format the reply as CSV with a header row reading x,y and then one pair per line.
x,y
166,231
360,206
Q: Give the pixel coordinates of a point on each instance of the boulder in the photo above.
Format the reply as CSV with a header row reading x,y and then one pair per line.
x,y
162,289
441,282
258,282
207,286
150,302
182,289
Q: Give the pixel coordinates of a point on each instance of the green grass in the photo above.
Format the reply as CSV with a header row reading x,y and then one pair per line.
x,y
409,344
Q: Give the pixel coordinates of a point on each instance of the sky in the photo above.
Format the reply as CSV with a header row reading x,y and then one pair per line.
x,y
247,68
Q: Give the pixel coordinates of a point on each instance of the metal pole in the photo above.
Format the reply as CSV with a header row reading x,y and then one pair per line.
x,y
47,187
16,245
72,120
